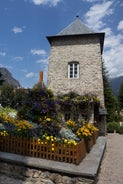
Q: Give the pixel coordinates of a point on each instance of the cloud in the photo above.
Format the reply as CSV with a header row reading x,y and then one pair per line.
x,y
24,70
120,26
97,18
37,52
17,30
2,53
96,13
30,74
46,2
91,1
18,58
113,60
113,54
45,61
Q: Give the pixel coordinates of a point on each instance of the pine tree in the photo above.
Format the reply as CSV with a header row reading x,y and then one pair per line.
x,y
120,96
110,100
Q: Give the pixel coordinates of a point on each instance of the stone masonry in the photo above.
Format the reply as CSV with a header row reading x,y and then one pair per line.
x,y
87,51
17,174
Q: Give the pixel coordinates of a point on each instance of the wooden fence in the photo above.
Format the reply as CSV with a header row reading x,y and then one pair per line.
x,y
43,149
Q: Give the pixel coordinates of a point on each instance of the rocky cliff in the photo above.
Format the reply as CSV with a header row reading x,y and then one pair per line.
x,y
8,78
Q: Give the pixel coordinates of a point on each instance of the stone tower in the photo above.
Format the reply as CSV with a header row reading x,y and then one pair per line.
x,y
75,62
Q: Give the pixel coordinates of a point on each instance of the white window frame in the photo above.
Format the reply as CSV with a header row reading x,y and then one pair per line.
x,y
73,71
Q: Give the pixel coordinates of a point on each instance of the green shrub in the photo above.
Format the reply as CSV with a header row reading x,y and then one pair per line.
x,y
112,126
120,131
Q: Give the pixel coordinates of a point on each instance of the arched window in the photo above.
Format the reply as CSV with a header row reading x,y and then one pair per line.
x,y
73,69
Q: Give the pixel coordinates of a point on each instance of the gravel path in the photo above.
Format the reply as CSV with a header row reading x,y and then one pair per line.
x,y
111,171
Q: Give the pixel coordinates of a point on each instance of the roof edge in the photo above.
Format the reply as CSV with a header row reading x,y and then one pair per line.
x,y
101,35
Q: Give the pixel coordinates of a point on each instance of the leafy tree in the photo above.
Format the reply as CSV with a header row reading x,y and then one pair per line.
x,y
120,96
7,95
20,95
111,102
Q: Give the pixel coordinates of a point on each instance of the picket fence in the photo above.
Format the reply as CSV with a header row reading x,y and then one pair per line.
x,y
44,149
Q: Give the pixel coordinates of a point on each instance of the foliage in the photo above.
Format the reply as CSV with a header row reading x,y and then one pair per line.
x,y
3,133
7,95
46,138
1,80
38,104
11,97
49,126
118,118
71,124
120,130
111,103
120,96
112,127
76,103
20,95
67,134
13,125
76,99
86,131
83,133
8,111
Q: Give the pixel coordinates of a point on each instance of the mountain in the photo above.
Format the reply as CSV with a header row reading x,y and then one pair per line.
x,y
115,84
7,77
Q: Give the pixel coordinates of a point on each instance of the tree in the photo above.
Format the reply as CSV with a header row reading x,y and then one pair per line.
x,y
120,96
1,80
7,95
20,95
111,102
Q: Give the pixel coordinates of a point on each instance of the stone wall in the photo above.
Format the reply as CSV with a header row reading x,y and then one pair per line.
x,y
87,52
27,175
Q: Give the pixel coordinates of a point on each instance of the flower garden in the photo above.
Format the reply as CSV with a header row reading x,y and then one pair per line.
x,y
38,128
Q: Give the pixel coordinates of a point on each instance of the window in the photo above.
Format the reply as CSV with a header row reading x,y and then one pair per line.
x,y
73,70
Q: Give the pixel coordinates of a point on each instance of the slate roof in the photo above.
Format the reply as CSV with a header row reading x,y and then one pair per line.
x,y
76,27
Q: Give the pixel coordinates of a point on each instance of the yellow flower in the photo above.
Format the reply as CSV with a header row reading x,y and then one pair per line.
x,y
47,138
65,140
48,119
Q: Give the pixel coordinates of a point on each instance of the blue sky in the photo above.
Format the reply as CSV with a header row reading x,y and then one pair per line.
x,y
24,25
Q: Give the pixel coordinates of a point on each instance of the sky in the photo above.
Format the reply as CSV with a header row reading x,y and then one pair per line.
x,y
25,24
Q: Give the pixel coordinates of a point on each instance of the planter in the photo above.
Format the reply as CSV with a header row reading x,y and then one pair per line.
x,y
91,141
43,149
89,144
95,136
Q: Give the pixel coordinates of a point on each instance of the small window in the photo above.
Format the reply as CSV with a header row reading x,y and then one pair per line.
x,y
73,70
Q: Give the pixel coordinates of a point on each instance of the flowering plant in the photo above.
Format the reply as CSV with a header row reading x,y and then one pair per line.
x,y
86,131
92,128
14,126
49,126
71,124
3,133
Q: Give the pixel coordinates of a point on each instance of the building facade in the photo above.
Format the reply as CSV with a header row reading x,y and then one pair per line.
x,y
75,62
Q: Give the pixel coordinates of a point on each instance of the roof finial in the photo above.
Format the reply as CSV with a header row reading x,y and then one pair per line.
x,y
77,16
